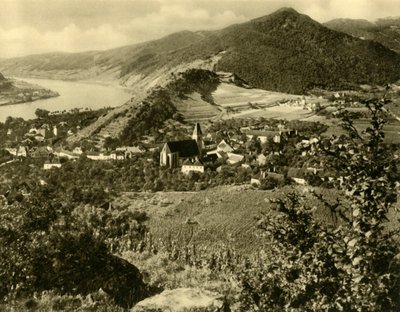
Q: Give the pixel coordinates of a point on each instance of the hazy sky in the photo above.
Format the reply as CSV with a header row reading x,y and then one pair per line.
x,y
37,26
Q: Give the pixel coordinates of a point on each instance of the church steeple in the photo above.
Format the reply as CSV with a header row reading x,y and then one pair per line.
x,y
198,136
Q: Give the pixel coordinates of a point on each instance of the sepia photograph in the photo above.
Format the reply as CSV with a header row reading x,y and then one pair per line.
x,y
200,155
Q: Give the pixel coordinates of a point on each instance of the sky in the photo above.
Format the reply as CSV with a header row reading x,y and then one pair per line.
x,y
41,26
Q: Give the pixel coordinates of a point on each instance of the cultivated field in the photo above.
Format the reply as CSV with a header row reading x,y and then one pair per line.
x,y
283,111
195,109
239,102
221,215
229,95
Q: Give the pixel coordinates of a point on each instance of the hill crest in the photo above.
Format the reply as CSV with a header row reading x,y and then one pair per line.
x,y
384,30
285,51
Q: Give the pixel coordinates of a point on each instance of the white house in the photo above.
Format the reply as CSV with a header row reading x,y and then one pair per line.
x,y
214,153
66,154
261,159
262,138
49,165
188,166
277,138
22,151
234,158
99,156
246,166
77,150
12,151
223,146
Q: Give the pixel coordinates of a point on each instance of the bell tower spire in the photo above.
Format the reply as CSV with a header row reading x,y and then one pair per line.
x,y
198,136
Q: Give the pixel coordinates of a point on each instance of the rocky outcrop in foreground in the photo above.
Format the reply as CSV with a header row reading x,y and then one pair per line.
x,y
183,299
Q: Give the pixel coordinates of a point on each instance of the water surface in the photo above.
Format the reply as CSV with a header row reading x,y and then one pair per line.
x,y
73,94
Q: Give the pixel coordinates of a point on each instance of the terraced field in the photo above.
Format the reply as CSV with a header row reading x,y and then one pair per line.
x,y
195,109
114,128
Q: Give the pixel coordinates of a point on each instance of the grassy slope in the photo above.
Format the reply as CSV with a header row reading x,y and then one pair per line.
x,y
225,215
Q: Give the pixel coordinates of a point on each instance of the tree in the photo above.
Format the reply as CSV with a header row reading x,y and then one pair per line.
x,y
43,246
41,113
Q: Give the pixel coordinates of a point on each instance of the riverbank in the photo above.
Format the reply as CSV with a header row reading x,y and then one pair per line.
x,y
20,92
90,95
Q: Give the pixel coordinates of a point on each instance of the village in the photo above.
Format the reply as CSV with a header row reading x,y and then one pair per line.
x,y
266,150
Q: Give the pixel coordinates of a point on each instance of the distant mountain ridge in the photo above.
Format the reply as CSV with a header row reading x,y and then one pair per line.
x,y
384,30
284,51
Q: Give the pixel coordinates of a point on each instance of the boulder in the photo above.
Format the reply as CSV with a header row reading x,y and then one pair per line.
x,y
80,265
183,299
123,282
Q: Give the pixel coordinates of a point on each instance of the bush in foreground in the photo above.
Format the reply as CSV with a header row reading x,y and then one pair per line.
x,y
350,266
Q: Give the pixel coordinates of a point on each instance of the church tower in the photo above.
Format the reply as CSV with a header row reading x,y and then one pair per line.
x,y
198,137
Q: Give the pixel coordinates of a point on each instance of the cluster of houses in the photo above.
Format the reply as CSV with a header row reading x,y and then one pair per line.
x,y
120,153
20,151
53,155
33,95
41,134
302,102
191,154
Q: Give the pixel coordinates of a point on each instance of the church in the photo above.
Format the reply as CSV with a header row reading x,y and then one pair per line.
x,y
173,154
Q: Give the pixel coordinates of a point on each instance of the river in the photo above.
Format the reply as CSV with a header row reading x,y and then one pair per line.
x,y
73,94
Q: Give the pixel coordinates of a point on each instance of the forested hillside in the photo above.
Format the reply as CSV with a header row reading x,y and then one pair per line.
x,y
285,51
290,52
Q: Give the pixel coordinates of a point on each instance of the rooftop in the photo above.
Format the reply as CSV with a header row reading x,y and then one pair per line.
x,y
185,148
